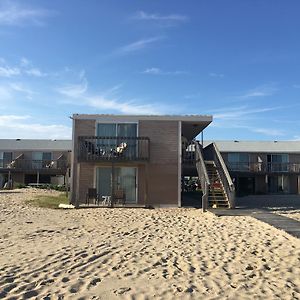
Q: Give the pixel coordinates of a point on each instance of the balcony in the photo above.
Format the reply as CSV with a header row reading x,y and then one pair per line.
x,y
261,167
101,149
47,166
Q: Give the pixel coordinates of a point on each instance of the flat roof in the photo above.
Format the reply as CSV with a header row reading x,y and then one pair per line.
x,y
35,145
257,146
207,118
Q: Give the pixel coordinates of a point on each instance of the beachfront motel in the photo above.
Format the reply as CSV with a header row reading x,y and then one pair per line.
x,y
144,161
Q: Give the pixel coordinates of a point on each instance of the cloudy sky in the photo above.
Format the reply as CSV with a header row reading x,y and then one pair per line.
x,y
237,60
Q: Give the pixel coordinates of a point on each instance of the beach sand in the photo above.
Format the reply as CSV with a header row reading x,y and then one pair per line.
x,y
141,254
293,214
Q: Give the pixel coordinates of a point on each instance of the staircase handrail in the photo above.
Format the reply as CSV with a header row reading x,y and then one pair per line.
x,y
225,176
203,176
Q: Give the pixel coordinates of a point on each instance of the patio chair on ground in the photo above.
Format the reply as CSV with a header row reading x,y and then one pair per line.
x,y
119,197
91,195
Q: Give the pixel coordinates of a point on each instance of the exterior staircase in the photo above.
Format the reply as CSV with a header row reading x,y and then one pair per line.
x,y
217,197
216,184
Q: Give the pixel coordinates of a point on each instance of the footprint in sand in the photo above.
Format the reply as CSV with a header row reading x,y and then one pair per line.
x,y
122,290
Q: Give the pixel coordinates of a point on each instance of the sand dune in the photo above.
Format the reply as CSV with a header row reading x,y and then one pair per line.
x,y
141,254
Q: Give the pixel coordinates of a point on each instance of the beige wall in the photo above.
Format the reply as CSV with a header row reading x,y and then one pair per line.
x,y
163,165
161,172
78,188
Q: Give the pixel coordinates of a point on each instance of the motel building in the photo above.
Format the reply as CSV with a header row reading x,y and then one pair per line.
x,y
151,161
145,161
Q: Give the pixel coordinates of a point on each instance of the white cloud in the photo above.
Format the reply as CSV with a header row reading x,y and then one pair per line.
x,y
267,131
138,45
24,62
77,94
75,90
238,113
219,75
141,15
25,67
16,126
9,72
13,13
35,72
19,87
158,71
244,117
260,91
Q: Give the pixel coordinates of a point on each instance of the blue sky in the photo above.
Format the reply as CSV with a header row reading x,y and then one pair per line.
x,y
237,60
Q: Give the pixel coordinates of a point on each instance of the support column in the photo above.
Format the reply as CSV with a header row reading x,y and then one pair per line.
x,y
112,184
146,185
77,188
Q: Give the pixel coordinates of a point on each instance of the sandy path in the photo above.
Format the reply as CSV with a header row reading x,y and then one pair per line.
x,y
293,214
141,254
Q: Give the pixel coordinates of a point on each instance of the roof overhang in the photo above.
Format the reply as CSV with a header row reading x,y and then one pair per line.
x,y
190,129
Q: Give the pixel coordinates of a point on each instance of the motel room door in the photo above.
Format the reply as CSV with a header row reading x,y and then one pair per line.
x,y
125,178
278,184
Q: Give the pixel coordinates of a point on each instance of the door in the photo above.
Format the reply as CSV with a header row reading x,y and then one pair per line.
x,y
108,132
245,186
103,181
278,184
127,133
37,160
124,179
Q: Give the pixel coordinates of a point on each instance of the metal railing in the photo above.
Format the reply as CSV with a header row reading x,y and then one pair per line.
x,y
30,164
203,176
99,148
4,163
189,157
262,167
215,155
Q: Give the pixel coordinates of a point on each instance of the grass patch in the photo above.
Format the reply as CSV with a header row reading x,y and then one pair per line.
x,y
49,201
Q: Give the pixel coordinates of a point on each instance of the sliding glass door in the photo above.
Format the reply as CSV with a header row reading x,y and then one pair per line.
x,y
278,162
125,180
117,134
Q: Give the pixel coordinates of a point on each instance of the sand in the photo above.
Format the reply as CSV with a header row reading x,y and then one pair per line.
x,y
141,254
293,214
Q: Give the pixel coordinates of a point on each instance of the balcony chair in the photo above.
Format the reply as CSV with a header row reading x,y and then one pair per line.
x,y
120,149
119,197
50,165
91,195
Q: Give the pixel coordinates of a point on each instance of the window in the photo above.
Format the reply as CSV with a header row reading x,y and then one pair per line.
x,y
112,135
238,161
5,159
278,162
41,159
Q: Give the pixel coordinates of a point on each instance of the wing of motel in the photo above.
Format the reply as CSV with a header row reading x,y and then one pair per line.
x,y
34,161
263,167
143,160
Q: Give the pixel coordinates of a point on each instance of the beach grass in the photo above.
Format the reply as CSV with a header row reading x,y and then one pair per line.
x,y
49,201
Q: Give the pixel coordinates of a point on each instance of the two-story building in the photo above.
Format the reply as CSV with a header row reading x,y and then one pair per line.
x,y
263,167
137,158
26,161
